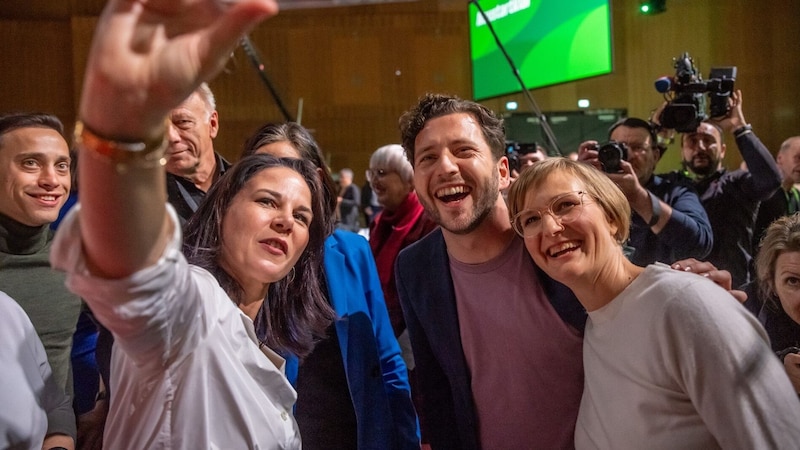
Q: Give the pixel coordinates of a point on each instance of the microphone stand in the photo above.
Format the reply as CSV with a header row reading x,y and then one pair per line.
x,y
247,45
548,132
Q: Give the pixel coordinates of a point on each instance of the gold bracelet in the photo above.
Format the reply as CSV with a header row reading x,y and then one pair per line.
x,y
124,155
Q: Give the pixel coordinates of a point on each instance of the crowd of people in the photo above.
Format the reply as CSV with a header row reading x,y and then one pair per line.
x,y
560,305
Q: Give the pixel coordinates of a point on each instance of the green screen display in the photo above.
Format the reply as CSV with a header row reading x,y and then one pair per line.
x,y
550,42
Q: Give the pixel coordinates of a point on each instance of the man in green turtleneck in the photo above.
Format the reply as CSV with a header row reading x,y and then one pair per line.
x,y
34,184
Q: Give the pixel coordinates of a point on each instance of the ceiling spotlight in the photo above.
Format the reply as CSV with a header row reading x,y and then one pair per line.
x,y
651,7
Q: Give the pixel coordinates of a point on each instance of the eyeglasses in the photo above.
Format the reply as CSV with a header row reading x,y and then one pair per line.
x,y
565,208
374,174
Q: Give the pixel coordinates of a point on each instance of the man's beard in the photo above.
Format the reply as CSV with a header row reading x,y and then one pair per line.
x,y
705,170
485,200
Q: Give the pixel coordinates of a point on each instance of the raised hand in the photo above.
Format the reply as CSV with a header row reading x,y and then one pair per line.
x,y
148,55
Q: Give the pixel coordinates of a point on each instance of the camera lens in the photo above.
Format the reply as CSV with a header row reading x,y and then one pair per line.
x,y
611,154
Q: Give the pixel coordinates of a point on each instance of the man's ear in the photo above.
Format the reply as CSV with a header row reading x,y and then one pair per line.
x,y
213,125
657,153
505,173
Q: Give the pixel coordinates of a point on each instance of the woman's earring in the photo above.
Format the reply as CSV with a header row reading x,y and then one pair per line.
x,y
291,275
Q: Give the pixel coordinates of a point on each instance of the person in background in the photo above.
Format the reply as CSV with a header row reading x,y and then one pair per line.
x,y
349,201
353,389
34,184
674,347
183,332
730,198
192,164
402,222
530,154
526,155
669,222
369,203
786,200
777,297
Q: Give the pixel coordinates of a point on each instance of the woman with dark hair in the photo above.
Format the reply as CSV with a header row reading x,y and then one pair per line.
x,y
189,370
778,278
353,389
295,312
671,360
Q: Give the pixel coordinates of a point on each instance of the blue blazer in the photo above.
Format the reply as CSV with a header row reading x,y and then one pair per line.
x,y
427,296
376,374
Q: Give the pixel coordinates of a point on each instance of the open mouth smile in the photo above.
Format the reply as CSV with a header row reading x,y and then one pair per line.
x,y
453,193
562,249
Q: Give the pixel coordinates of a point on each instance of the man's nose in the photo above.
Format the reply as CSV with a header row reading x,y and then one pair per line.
x,y
447,163
48,177
172,133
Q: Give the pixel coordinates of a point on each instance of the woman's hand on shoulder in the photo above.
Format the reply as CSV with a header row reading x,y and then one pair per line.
x,y
706,269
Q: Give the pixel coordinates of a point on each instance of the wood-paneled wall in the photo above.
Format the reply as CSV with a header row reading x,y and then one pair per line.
x,y
356,69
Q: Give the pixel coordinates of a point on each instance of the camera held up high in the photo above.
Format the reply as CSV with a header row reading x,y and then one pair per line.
x,y
686,107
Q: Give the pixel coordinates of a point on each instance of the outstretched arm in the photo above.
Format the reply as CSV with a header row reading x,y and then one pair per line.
x,y
146,57
765,177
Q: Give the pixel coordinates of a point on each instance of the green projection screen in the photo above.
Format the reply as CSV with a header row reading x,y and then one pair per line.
x,y
550,42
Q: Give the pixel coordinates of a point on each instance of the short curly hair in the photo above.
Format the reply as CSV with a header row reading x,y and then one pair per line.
x,y
432,106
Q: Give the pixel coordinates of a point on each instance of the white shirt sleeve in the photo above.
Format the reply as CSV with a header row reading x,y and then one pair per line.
x,y
155,314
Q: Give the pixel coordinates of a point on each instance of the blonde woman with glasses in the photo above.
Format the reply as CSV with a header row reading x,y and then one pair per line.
x,y
671,359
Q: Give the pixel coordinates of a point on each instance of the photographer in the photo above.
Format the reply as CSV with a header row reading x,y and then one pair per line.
x,y
669,222
731,198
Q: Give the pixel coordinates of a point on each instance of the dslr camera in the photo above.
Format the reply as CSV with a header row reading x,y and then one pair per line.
x,y
686,108
611,154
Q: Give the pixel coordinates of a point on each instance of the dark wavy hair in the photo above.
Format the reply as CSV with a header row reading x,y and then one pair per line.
x,y
432,106
295,313
302,141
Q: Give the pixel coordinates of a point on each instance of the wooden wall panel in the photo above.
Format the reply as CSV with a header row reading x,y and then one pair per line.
x,y
36,67
358,68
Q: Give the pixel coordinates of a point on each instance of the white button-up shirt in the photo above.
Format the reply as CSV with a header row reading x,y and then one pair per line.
x,y
186,369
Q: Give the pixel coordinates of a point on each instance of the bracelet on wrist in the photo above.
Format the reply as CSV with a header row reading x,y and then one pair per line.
x,y
741,131
124,155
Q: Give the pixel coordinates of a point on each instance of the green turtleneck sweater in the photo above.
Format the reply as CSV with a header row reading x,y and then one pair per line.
x,y
26,276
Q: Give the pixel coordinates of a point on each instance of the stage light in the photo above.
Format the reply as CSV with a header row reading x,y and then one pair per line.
x,y
650,7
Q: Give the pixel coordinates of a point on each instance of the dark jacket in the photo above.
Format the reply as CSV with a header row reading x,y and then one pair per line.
x,y
427,295
731,200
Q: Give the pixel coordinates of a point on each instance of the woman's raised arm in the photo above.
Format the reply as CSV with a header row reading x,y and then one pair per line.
x,y
146,57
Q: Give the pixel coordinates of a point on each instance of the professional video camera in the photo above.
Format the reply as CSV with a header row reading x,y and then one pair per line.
x,y
686,106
